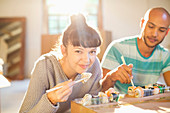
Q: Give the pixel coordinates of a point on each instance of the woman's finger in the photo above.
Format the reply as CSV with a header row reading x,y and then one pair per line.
x,y
66,97
64,92
64,83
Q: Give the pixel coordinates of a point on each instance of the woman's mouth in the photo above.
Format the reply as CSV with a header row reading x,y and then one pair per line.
x,y
84,66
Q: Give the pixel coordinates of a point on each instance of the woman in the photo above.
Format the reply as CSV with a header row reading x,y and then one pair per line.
x,y
80,45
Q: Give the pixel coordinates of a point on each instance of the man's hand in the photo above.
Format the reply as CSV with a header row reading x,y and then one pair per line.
x,y
123,73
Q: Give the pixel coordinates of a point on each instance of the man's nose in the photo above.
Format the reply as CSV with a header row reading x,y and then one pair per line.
x,y
155,32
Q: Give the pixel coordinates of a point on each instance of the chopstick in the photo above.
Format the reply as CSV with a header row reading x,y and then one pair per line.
x,y
123,60
79,80
52,89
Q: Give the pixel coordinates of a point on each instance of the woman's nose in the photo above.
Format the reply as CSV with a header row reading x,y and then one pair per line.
x,y
86,58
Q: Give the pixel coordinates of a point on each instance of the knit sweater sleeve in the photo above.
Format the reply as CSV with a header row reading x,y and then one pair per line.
x,y
36,100
97,76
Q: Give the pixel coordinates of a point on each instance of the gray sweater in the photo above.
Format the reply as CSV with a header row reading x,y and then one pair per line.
x,y
47,72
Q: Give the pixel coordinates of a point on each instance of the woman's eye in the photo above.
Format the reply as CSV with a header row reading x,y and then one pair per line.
x,y
77,51
93,52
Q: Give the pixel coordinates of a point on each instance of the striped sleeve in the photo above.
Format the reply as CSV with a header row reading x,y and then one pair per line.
x,y
111,58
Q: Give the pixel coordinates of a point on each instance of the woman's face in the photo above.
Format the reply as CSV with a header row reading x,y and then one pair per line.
x,y
78,59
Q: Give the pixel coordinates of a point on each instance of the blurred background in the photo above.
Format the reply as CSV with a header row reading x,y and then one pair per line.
x,y
30,28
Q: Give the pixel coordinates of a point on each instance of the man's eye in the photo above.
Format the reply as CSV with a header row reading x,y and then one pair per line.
x,y
162,30
150,26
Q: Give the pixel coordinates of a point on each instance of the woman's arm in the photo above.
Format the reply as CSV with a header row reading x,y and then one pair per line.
x,y
36,99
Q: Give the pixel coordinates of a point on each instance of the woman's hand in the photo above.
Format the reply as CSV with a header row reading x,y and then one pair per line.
x,y
61,94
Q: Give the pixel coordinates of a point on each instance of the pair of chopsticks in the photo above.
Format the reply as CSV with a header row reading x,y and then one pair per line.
x,y
123,60
52,89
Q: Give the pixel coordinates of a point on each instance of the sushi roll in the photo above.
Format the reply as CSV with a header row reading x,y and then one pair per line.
x,y
114,97
147,92
86,76
167,89
148,86
103,97
95,100
131,90
155,90
110,91
139,92
161,89
86,100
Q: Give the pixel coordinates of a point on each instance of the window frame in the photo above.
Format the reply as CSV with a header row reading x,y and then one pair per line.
x,y
46,16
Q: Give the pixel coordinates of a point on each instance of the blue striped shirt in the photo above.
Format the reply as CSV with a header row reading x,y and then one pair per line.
x,y
146,70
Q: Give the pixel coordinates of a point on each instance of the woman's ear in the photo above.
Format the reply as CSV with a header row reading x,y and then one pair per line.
x,y
63,50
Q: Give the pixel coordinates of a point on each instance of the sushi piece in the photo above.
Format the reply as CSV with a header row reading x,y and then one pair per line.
x,y
85,76
147,92
103,98
155,90
161,89
86,100
114,97
95,100
167,89
148,86
139,92
131,90
110,91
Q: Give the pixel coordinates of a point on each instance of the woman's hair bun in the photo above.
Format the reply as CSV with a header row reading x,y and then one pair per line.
x,y
78,19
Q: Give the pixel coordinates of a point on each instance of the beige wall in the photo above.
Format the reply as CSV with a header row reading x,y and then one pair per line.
x,y
122,17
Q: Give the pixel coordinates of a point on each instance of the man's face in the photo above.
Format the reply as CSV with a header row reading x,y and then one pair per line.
x,y
155,30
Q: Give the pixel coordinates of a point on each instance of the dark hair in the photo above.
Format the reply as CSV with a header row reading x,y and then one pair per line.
x,y
78,33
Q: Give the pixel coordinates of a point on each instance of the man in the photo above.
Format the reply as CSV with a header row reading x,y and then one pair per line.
x,y
146,58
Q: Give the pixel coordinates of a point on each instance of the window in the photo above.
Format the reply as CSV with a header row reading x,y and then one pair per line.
x,y
59,11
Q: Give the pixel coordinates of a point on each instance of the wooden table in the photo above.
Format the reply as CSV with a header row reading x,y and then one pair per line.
x,y
151,104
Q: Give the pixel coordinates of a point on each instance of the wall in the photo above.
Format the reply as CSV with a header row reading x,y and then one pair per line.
x,y
32,10
122,17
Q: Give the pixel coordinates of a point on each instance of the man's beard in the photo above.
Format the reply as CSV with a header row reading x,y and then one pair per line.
x,y
144,38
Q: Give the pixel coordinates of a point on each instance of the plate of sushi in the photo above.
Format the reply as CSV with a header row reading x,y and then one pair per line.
x,y
109,96
147,90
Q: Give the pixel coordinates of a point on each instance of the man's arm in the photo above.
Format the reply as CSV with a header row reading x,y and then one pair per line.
x,y
167,77
107,81
105,71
